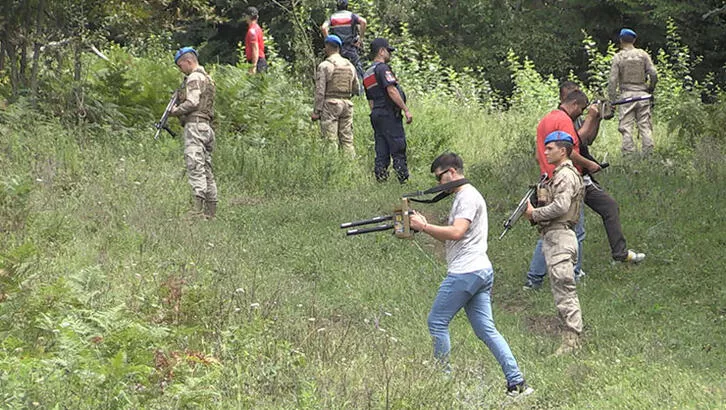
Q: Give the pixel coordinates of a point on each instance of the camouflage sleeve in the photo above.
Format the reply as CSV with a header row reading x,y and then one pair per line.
x,y
193,92
650,71
613,80
563,190
321,80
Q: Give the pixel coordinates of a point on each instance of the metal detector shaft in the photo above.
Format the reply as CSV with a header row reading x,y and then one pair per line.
x,y
384,227
366,221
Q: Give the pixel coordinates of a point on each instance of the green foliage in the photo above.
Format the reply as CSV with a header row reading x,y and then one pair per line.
x,y
111,297
531,91
598,65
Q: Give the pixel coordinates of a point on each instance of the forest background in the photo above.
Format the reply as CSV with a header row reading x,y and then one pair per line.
x,y
111,298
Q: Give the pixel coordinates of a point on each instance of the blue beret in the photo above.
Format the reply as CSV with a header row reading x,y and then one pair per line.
x,y
559,136
183,51
333,39
627,32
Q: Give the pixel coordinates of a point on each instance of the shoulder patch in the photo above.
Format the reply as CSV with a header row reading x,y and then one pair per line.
x,y
389,76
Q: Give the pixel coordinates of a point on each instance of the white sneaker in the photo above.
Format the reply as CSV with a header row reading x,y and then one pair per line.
x,y
519,390
634,257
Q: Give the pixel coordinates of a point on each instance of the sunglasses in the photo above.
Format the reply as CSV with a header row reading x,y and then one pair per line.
x,y
440,175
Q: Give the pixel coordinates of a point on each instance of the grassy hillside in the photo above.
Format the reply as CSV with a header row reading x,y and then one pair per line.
x,y
111,297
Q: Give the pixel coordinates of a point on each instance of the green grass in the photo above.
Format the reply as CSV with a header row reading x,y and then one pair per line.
x,y
113,298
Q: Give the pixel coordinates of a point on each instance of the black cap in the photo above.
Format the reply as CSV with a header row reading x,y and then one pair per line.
x,y
380,43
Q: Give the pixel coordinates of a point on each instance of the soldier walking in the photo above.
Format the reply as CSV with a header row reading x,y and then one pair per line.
x,y
634,75
195,109
335,82
556,218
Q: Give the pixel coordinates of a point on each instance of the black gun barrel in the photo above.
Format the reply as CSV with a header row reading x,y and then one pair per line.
x,y
378,228
632,99
366,221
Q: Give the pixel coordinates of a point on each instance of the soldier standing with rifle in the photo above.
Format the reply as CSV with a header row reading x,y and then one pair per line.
x,y
195,109
633,73
335,83
470,275
596,198
349,27
556,218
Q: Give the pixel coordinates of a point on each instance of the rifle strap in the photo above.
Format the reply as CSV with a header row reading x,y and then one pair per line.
x,y
441,189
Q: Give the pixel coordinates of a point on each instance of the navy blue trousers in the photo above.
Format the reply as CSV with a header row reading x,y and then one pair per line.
x,y
390,144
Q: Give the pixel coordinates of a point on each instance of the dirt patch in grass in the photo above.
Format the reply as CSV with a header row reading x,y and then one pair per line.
x,y
543,325
514,303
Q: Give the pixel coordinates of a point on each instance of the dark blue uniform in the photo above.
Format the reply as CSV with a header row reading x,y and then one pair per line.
x,y
387,122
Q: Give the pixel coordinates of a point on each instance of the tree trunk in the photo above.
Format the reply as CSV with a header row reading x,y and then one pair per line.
x,y
3,44
36,52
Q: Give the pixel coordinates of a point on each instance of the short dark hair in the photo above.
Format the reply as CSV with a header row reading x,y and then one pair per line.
x,y
577,96
448,160
341,4
252,12
566,145
627,39
567,87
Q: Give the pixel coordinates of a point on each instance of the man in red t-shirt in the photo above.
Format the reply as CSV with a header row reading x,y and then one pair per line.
x,y
562,119
254,42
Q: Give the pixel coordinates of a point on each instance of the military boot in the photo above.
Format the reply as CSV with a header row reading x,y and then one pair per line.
x,y
211,210
570,343
197,206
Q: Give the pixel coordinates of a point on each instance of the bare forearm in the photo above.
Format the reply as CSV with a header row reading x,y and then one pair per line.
x,y
589,129
583,162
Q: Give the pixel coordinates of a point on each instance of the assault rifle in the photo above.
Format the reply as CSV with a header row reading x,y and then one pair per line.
x,y
162,124
530,196
606,107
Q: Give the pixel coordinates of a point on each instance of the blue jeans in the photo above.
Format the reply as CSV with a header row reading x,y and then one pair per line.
x,y
472,291
538,267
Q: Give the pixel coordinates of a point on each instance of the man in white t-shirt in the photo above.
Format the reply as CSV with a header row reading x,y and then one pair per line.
x,y
470,276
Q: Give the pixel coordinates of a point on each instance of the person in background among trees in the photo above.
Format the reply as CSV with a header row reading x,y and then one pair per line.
x,y
387,100
470,276
349,27
254,42
195,109
633,73
335,82
556,218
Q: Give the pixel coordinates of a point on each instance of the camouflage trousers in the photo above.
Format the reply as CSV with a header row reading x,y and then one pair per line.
x,y
198,147
559,247
636,113
336,124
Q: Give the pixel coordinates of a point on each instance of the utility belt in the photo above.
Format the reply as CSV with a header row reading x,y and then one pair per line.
x,y
556,226
339,95
395,112
197,119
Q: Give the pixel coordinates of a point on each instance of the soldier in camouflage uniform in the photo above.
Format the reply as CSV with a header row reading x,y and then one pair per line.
x,y
633,73
335,82
195,109
561,200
